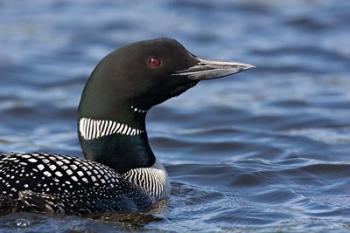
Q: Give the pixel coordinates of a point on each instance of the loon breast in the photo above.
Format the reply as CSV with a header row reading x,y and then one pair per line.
x,y
63,184
152,180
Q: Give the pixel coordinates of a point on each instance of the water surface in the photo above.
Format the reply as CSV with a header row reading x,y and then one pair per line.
x,y
263,151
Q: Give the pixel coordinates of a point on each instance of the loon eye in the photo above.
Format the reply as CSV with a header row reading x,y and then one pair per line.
x,y
153,62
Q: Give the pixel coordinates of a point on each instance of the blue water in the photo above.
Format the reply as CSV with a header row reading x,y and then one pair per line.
x,y
267,150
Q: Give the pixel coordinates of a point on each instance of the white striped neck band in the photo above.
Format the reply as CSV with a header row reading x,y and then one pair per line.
x,y
92,129
138,110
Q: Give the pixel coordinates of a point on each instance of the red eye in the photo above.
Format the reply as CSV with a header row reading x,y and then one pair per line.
x,y
153,62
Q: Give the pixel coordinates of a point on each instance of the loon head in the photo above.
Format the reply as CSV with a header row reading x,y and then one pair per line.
x,y
125,85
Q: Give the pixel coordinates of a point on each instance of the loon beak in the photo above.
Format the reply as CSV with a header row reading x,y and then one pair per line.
x,y
210,69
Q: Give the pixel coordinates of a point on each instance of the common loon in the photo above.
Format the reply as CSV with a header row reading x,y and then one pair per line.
x,y
120,171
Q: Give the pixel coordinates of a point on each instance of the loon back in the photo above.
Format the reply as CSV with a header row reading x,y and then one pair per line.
x,y
121,172
63,184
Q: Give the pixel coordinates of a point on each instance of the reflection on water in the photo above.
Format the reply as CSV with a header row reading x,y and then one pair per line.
x,y
263,151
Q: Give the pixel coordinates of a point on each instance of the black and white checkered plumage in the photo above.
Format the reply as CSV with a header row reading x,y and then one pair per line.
x,y
62,184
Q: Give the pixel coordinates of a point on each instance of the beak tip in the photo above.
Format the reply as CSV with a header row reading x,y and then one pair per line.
x,y
248,66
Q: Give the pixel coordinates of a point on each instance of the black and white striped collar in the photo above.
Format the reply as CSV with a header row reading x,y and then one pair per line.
x,y
92,129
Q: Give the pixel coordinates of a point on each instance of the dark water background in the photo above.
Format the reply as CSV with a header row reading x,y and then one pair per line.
x,y
263,151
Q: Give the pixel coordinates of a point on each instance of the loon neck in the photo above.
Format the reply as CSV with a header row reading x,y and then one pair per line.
x,y
119,141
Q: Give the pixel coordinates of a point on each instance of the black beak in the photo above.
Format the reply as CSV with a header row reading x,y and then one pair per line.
x,y
210,69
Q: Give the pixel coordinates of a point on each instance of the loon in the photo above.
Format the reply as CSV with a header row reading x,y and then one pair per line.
x,y
120,171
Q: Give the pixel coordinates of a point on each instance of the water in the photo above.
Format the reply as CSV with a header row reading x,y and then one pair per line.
x,y
263,151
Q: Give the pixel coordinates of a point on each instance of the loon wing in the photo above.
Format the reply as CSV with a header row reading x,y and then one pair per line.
x,y
46,203
40,202
7,205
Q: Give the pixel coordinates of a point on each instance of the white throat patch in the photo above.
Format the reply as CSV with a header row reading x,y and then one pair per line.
x,y
92,129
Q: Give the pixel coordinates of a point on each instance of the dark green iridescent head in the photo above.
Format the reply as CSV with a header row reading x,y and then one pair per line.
x,y
139,75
